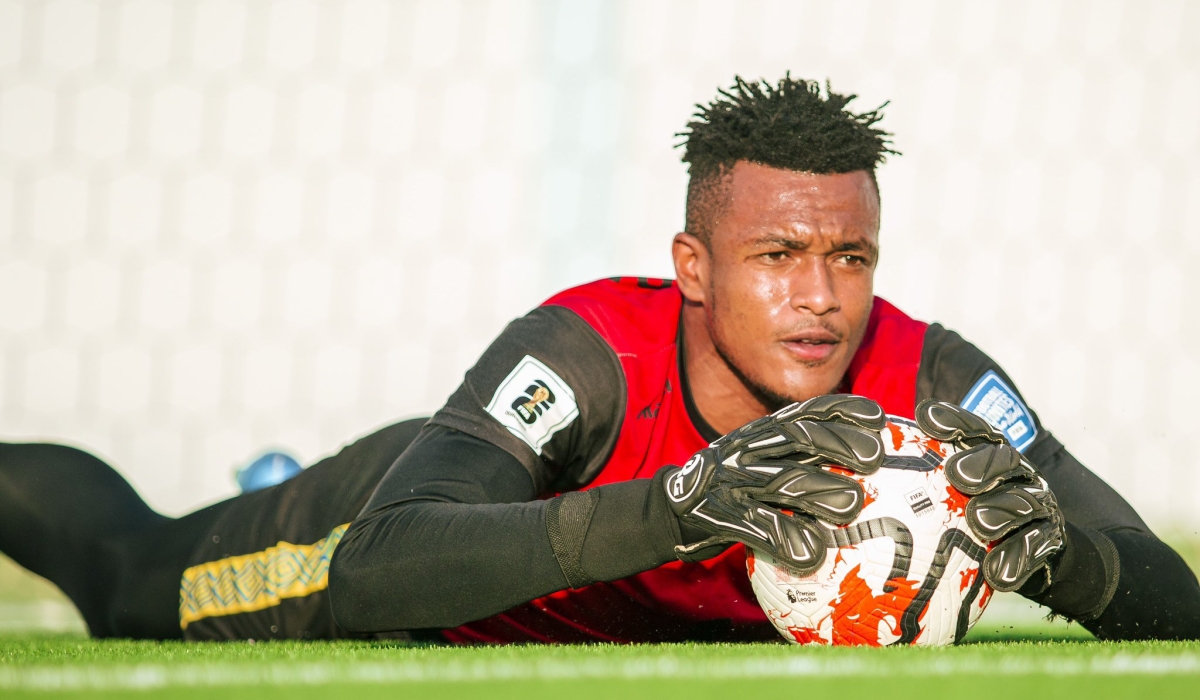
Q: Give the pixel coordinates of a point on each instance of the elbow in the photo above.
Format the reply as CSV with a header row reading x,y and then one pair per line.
x,y
351,592
369,591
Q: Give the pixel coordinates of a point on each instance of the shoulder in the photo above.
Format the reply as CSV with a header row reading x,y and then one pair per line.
x,y
950,365
549,391
893,338
630,313
955,370
948,359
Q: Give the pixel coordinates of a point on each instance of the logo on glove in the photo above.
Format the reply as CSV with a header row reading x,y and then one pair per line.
x,y
677,491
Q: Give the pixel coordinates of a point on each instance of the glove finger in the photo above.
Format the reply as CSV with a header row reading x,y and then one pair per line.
x,y
794,540
997,513
704,549
772,441
948,422
748,431
799,542
731,518
1012,562
849,446
831,497
981,468
848,408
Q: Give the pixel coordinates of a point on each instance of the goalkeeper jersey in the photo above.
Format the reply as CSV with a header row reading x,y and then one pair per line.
x,y
590,394
586,392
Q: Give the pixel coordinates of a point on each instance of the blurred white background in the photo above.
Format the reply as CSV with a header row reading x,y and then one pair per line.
x,y
227,226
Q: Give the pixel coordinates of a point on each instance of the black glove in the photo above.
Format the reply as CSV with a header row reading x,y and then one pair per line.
x,y
725,492
1011,505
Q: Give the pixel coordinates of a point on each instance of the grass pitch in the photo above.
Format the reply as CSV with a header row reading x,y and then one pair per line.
x,y
1011,654
69,666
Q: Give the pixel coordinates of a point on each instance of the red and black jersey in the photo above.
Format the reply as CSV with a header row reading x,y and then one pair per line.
x,y
530,507
619,339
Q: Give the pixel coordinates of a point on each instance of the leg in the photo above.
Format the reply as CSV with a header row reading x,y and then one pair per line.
x,y
67,516
303,516
70,518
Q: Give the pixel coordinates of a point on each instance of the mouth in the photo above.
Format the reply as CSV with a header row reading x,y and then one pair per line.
x,y
812,344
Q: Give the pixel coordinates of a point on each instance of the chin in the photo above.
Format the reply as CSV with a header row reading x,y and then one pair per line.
x,y
777,396
814,384
779,378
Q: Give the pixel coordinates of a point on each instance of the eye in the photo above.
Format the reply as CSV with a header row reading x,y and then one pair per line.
x,y
775,256
852,260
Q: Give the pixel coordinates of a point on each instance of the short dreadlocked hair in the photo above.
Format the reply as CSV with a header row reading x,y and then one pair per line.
x,y
791,126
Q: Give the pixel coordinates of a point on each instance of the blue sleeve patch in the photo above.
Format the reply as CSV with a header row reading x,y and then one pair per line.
x,y
992,400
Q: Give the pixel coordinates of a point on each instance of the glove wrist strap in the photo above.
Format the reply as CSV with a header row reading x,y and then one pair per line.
x,y
1084,580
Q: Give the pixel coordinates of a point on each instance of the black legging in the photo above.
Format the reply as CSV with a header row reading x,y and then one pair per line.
x,y
68,517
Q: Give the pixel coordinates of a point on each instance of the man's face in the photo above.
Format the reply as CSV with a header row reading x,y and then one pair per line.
x,y
791,277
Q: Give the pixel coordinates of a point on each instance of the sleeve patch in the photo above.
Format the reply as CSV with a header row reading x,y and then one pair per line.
x,y
533,403
995,402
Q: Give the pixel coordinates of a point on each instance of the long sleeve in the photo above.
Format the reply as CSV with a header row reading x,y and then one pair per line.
x,y
1140,588
452,534
1115,577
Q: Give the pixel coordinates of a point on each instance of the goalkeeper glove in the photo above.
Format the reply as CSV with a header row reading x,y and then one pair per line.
x,y
1010,506
737,488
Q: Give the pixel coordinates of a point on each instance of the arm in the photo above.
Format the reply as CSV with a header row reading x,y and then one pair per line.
x,y
447,538
1114,576
1151,591
453,532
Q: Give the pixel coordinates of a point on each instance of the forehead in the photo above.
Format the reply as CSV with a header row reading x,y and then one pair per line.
x,y
759,197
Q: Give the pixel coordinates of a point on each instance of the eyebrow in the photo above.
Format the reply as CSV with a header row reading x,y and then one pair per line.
x,y
789,243
867,247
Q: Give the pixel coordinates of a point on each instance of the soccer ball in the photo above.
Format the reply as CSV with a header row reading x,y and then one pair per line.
x,y
906,571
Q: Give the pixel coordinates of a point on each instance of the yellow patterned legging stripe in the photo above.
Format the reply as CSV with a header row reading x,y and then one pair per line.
x,y
256,581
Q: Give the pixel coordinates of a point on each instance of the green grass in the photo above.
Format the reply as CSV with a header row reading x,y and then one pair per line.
x,y
66,666
1013,653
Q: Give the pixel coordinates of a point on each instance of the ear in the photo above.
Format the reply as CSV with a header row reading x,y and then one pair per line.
x,y
692,267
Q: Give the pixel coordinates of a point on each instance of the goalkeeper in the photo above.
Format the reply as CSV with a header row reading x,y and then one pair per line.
x,y
540,504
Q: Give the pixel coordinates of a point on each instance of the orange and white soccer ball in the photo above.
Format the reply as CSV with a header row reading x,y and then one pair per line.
x,y
906,571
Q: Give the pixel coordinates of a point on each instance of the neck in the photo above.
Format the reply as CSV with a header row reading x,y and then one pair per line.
x,y
719,394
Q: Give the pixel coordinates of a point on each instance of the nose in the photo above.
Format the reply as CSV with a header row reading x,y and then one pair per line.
x,y
812,287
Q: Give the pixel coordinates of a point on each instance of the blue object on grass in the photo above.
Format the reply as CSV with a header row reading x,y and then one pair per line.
x,y
268,470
